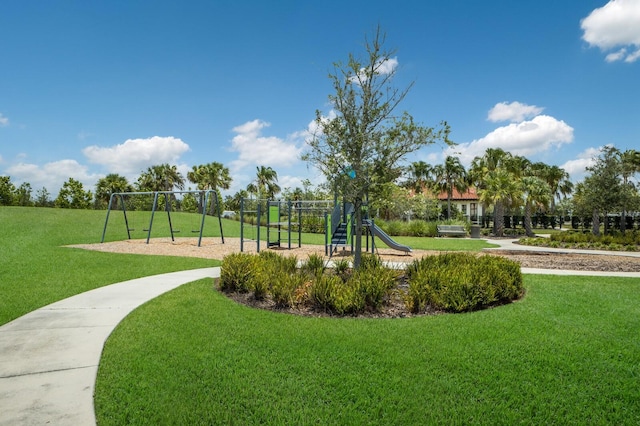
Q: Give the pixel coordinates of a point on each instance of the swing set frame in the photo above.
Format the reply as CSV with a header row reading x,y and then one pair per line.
x,y
205,196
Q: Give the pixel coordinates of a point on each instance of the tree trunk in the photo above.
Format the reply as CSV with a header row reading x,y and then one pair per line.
x,y
623,220
527,221
595,218
498,229
357,255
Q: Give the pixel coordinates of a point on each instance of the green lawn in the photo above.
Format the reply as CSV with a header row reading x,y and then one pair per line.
x,y
568,353
35,268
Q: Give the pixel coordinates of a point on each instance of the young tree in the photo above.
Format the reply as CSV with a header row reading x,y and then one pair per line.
x,y
7,190
602,191
364,143
629,166
73,196
23,195
43,198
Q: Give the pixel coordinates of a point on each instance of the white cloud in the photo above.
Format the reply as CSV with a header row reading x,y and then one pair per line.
x,y
4,121
52,175
616,25
254,149
135,155
514,112
291,182
577,168
532,137
384,67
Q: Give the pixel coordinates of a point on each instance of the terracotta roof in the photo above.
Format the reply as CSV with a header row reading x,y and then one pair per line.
x,y
470,195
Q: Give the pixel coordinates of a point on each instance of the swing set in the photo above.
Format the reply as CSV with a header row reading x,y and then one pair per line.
x,y
118,201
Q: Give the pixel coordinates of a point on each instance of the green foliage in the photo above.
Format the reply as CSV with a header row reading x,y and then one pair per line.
x,y
629,241
73,196
341,267
392,227
373,285
314,265
283,288
459,282
7,190
323,291
236,271
419,228
370,261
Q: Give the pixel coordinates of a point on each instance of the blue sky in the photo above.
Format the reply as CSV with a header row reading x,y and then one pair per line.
x,y
95,87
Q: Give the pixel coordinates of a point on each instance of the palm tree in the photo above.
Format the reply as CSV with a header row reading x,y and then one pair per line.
x,y
163,177
452,175
499,189
266,182
536,193
110,184
212,176
493,161
557,179
420,174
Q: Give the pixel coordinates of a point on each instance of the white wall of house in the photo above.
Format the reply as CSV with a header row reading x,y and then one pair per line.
x,y
471,209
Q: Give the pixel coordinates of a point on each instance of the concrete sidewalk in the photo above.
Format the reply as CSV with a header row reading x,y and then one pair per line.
x,y
49,358
511,244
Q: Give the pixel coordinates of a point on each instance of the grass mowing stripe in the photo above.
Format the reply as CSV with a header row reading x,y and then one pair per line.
x,y
194,356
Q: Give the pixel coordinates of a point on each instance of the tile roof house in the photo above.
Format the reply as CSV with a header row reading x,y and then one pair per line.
x,y
467,202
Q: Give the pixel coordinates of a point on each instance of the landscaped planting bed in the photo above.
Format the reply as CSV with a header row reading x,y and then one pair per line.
x,y
450,282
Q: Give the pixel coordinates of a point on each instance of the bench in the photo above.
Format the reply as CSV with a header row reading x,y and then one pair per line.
x,y
453,230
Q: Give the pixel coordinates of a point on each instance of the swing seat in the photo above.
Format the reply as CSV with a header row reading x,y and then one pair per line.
x,y
195,230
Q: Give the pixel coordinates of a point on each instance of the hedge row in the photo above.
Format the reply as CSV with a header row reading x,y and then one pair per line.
x,y
448,282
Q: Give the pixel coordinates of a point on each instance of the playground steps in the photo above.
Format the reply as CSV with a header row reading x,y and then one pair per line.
x,y
339,238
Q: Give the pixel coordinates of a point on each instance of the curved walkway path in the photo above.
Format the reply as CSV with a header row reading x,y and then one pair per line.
x,y
49,358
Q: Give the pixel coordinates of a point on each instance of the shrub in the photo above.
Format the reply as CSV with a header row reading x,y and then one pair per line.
x,y
283,288
341,268
370,261
314,265
418,228
235,272
322,292
373,286
393,227
459,282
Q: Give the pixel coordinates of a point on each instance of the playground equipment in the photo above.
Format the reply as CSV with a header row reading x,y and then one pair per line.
x,y
276,227
250,210
340,226
118,200
284,220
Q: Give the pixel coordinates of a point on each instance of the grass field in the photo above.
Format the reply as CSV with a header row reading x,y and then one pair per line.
x,y
567,353
35,268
